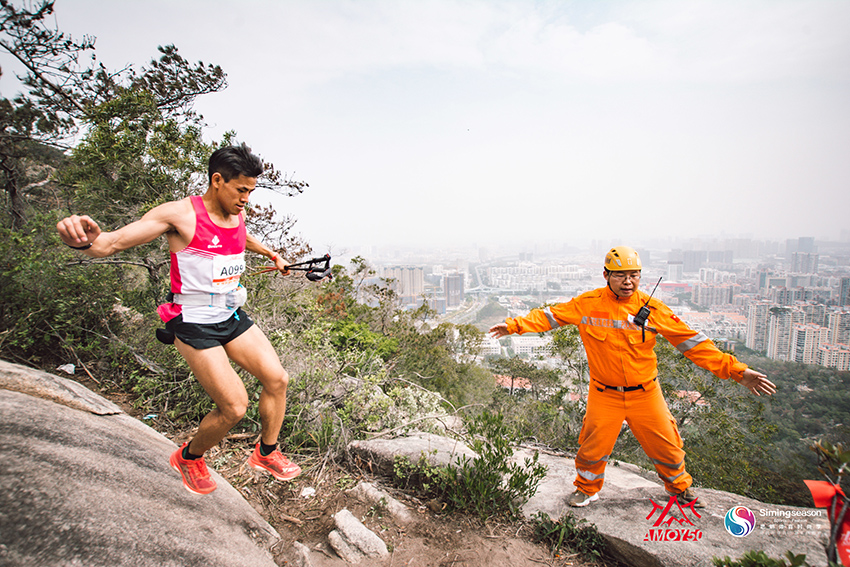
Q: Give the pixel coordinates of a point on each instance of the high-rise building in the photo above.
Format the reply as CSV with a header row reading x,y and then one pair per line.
x,y
786,295
721,256
762,277
839,327
706,295
805,342
834,356
844,292
804,263
806,244
816,313
780,326
693,260
453,285
758,318
675,270
408,281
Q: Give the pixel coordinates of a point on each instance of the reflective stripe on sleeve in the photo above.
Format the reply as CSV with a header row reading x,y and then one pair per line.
x,y
687,345
553,323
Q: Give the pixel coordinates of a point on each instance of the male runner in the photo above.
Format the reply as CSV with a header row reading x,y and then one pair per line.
x,y
207,239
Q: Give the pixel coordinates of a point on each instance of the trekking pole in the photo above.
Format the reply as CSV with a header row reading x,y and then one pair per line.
x,y
316,269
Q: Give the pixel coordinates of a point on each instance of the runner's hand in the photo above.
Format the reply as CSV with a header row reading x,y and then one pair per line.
x,y
281,265
757,383
78,230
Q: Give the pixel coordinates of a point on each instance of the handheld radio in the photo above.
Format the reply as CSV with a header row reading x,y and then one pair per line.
x,y
643,313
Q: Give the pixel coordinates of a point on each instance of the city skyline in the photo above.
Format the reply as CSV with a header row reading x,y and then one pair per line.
x,y
591,251
792,304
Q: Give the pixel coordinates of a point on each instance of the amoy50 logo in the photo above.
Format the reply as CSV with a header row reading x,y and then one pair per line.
x,y
662,529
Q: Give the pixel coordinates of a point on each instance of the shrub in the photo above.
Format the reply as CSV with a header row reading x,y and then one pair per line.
x,y
569,532
760,559
489,484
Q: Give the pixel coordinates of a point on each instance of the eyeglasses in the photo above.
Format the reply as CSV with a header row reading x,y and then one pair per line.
x,y
623,275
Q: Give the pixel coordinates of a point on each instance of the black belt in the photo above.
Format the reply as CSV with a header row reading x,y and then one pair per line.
x,y
622,388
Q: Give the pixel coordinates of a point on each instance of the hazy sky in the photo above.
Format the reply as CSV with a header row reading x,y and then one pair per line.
x,y
484,121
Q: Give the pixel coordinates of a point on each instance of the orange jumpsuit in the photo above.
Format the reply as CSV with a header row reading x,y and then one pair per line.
x,y
623,372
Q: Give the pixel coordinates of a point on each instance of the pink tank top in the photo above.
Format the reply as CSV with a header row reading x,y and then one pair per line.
x,y
212,263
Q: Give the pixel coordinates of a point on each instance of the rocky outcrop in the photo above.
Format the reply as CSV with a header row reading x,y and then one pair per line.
x,y
378,455
632,511
82,483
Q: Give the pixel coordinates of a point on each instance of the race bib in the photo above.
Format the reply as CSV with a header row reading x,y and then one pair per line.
x,y
226,272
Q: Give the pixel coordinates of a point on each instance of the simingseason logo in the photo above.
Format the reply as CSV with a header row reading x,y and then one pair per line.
x,y
740,521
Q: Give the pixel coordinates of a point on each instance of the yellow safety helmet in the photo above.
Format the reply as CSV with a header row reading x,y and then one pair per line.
x,y
622,259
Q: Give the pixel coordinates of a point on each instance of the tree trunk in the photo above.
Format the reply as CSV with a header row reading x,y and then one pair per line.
x,y
16,202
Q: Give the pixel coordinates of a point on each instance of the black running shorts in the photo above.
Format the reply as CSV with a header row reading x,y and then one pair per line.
x,y
208,335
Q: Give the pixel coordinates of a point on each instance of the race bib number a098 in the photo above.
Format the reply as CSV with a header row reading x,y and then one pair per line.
x,y
227,271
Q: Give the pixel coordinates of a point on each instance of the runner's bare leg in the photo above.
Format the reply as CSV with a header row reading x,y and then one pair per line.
x,y
252,351
214,373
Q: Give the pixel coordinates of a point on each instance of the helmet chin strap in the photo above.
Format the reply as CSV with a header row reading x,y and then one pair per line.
x,y
608,283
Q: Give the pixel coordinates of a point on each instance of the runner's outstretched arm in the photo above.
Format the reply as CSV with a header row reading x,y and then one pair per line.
x,y
80,231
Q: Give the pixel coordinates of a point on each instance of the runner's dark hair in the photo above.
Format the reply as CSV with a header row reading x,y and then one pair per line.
x,y
233,161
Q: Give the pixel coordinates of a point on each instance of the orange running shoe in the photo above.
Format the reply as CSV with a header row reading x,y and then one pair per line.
x,y
275,463
196,477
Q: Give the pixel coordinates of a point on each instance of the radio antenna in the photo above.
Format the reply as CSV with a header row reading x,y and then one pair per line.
x,y
643,312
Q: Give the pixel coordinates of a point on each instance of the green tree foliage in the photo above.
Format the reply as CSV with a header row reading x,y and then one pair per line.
x,y
23,120
569,533
430,358
552,415
43,311
761,559
491,314
544,382
140,144
568,348
811,403
365,316
63,96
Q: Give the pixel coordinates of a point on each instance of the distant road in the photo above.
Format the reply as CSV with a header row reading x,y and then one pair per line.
x,y
466,314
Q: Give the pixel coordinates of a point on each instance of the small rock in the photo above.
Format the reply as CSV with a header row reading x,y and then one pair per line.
x,y
346,551
370,494
307,492
436,505
352,535
302,555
